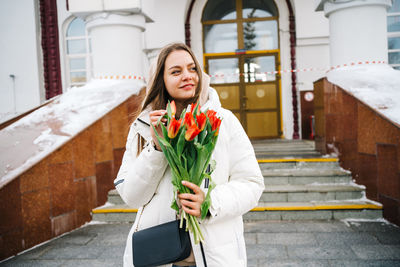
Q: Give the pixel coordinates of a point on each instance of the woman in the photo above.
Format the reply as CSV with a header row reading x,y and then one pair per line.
x,y
144,179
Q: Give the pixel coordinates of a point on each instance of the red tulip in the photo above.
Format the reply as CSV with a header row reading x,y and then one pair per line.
x,y
192,132
173,127
188,120
211,113
214,120
201,121
215,125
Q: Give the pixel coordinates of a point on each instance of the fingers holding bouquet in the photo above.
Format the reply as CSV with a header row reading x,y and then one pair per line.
x,y
154,119
191,203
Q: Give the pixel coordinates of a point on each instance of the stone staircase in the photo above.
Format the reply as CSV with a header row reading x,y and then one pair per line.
x,y
300,184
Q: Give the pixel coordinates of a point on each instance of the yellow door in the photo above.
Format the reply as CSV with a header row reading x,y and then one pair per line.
x,y
247,85
241,53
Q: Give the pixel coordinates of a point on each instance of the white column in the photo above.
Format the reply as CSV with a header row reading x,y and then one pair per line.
x,y
358,30
116,43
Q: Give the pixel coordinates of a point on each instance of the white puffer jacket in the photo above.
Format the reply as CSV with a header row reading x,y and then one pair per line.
x,y
145,180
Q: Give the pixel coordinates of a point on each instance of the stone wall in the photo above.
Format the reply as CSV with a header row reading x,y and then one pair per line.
x,y
368,144
58,194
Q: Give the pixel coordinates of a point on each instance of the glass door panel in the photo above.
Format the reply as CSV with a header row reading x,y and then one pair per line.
x,y
261,96
220,38
219,10
259,9
225,70
260,35
259,69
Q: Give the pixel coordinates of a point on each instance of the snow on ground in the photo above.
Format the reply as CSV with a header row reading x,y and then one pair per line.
x,y
378,86
30,139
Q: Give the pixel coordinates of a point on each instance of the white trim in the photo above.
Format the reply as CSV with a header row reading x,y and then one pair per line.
x,y
105,18
332,6
75,37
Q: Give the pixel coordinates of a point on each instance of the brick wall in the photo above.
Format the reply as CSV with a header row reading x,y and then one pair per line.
x,y
368,144
57,194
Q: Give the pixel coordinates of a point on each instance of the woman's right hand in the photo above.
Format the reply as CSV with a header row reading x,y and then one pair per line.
x,y
154,116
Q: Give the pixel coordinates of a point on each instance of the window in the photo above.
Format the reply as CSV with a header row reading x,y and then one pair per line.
x,y
393,28
78,53
229,25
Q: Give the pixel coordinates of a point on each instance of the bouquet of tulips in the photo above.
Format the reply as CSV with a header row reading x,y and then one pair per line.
x,y
187,144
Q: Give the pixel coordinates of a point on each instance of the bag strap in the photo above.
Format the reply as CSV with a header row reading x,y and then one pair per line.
x,y
203,254
140,216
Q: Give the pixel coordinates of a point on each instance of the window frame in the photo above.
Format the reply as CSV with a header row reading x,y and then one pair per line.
x,y
393,35
87,56
239,26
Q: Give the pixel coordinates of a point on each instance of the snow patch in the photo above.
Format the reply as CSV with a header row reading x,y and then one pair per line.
x,y
57,122
108,204
358,221
378,86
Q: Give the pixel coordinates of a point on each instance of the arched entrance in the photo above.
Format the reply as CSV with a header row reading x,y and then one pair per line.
x,y
241,53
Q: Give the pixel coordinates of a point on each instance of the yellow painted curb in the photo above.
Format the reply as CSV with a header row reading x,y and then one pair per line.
x,y
321,207
114,210
298,160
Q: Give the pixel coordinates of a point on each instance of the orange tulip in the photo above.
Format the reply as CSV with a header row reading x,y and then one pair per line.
x,y
192,132
193,107
201,121
173,127
211,113
173,108
188,120
214,120
215,125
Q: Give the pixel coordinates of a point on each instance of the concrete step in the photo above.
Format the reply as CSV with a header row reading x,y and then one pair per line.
x,y
300,185
114,213
298,163
285,148
323,210
115,198
286,154
305,176
288,211
310,192
299,172
293,148
282,143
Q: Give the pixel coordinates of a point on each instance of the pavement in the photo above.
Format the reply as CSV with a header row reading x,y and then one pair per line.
x,y
269,243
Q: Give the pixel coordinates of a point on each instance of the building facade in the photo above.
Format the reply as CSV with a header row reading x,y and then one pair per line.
x,y
262,55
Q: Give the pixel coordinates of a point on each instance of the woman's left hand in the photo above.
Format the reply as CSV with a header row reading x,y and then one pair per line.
x,y
191,203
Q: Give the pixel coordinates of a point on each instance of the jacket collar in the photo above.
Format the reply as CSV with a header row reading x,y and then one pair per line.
x,y
213,100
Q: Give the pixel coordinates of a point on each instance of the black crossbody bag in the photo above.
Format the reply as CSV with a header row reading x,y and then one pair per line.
x,y
162,244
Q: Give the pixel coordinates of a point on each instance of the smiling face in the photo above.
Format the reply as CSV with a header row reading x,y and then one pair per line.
x,y
180,76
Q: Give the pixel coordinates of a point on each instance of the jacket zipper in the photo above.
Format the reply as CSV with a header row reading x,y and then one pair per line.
x,y
140,216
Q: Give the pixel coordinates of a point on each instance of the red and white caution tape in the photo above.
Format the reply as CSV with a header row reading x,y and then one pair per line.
x,y
299,70
136,77
120,77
